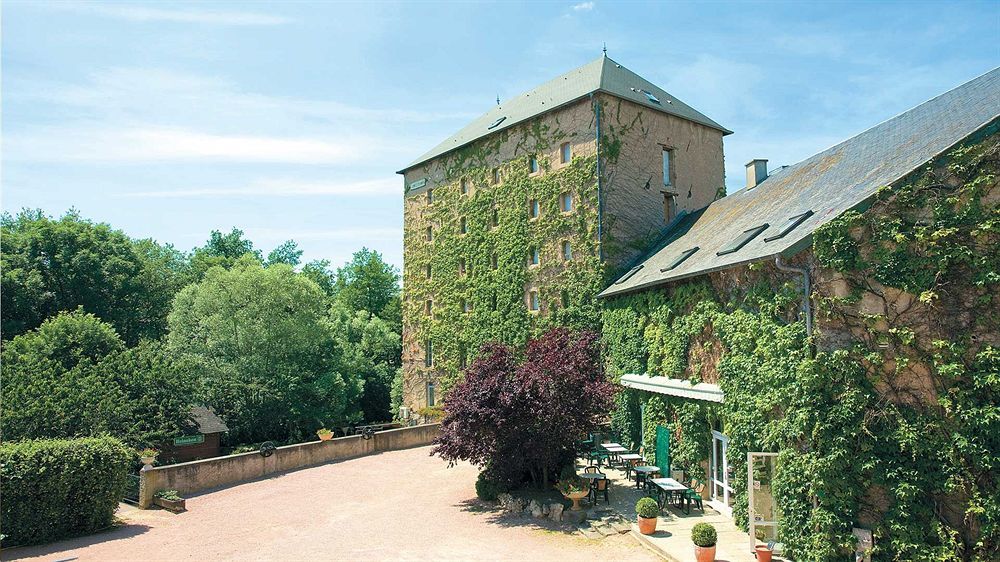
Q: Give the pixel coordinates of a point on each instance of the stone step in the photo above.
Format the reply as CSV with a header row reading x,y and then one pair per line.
x,y
589,532
605,530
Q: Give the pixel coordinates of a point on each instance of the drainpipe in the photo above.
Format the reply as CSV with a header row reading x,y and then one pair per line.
x,y
600,200
806,296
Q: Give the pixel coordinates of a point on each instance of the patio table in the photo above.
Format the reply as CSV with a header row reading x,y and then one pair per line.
x,y
670,487
592,475
642,473
628,460
610,446
614,450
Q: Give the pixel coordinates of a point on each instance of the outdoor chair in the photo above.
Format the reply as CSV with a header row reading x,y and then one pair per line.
x,y
599,456
591,469
693,493
599,486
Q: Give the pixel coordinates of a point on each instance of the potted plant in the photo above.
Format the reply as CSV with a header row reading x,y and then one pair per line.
x,y
574,488
324,434
764,551
703,536
169,500
647,511
148,455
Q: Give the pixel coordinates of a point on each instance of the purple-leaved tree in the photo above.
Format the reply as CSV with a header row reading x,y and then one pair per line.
x,y
522,418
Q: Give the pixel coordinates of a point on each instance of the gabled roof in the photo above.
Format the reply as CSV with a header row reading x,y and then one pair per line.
x,y
205,421
827,184
601,75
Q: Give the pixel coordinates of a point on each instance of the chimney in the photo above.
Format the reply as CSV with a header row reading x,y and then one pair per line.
x,y
756,172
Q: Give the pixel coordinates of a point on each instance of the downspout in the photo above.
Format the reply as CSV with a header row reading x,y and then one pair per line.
x,y
600,200
806,292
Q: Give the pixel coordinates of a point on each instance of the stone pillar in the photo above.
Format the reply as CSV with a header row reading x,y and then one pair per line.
x,y
146,487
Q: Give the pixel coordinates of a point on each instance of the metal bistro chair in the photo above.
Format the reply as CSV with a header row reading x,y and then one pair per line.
x,y
693,493
599,486
591,470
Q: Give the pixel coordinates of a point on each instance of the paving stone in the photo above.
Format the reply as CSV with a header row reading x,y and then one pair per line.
x,y
590,533
605,530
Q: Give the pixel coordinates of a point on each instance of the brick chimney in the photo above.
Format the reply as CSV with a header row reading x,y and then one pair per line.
x,y
756,172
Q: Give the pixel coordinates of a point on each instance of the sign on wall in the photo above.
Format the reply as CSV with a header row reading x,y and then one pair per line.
x,y
189,439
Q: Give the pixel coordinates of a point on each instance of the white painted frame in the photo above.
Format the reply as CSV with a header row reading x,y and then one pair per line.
x,y
720,504
750,490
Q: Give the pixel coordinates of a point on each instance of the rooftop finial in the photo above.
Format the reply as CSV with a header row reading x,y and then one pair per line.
x,y
605,48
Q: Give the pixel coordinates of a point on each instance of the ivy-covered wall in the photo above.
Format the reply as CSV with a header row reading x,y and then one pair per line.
x,y
894,422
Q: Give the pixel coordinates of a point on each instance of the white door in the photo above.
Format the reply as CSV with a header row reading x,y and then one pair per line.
x,y
764,512
721,496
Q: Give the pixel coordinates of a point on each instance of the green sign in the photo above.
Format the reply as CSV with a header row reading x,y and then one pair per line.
x,y
189,439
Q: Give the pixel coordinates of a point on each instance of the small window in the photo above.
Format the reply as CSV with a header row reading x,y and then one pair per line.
x,y
533,301
461,267
428,272
790,226
493,261
466,306
668,167
565,298
535,210
743,239
565,153
496,176
462,226
628,275
496,123
430,195
651,97
430,234
680,259
493,303
567,250
465,186
533,165
430,394
428,353
429,307
566,202
534,258
495,220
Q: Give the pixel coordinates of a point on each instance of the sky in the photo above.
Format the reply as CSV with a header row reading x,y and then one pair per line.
x,y
288,120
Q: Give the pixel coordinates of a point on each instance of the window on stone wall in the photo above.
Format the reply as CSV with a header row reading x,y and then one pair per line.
x,y
430,234
461,267
565,153
430,195
533,304
534,208
462,226
428,353
495,219
430,394
493,261
567,250
465,186
466,306
564,298
428,307
668,166
496,176
533,256
533,165
566,202
428,271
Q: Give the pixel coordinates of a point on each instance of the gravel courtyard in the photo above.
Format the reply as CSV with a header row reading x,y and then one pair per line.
x,y
399,505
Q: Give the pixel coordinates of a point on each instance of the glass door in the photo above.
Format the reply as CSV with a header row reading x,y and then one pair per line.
x,y
721,496
764,512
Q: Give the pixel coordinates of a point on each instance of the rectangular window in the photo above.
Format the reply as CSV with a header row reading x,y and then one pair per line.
x,y
496,175
495,220
743,240
533,165
428,353
430,234
428,271
790,226
567,250
430,195
668,168
535,209
462,226
564,298
534,258
680,259
493,261
465,186
533,301
461,267
428,307
566,202
430,394
565,153
466,306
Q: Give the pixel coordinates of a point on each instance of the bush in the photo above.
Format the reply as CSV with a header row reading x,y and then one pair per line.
x,y
487,489
58,488
647,508
703,534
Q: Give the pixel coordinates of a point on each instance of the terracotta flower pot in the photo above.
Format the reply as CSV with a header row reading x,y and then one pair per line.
x,y
148,460
325,436
576,497
763,553
704,553
647,525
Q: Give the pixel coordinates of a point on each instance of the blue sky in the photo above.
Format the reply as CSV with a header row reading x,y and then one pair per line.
x,y
288,120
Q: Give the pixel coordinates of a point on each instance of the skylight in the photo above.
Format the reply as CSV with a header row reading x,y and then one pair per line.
x,y
680,259
651,97
630,273
747,236
497,122
790,226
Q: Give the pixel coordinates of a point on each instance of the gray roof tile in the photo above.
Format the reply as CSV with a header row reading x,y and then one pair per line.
x,y
829,183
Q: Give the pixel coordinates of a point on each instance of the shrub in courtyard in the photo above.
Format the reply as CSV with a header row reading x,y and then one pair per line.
x,y
487,488
57,488
704,535
523,417
647,508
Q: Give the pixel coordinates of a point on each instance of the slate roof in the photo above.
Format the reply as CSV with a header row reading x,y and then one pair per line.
x,y
601,75
206,421
836,180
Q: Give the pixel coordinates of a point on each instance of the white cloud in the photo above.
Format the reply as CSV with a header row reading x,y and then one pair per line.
x,y
583,7
285,188
151,14
367,234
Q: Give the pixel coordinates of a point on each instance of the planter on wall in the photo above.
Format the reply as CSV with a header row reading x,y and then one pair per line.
x,y
175,506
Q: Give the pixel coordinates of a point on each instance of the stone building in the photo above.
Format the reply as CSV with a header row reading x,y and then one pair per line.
x,y
518,220
821,347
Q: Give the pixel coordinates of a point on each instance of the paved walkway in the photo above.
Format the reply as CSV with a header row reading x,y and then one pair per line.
x,y
399,505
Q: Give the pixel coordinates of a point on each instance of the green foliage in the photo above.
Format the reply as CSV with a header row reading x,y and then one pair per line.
x,y
647,508
371,351
487,489
703,534
368,283
53,489
52,265
169,495
287,253
260,342
74,377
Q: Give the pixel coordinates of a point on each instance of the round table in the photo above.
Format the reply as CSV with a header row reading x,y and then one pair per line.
x,y
645,471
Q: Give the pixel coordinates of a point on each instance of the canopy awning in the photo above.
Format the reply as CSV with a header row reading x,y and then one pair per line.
x,y
681,388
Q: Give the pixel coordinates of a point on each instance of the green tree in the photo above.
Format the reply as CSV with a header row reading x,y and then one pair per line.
x,y
319,272
287,253
260,343
221,250
372,350
52,265
367,282
74,377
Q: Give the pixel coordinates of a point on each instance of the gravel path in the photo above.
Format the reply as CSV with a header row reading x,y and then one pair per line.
x,y
400,505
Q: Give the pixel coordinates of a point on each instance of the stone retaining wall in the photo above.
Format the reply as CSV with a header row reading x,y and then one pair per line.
x,y
196,476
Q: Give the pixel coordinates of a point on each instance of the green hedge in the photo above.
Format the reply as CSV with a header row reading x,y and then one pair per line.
x,y
57,488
